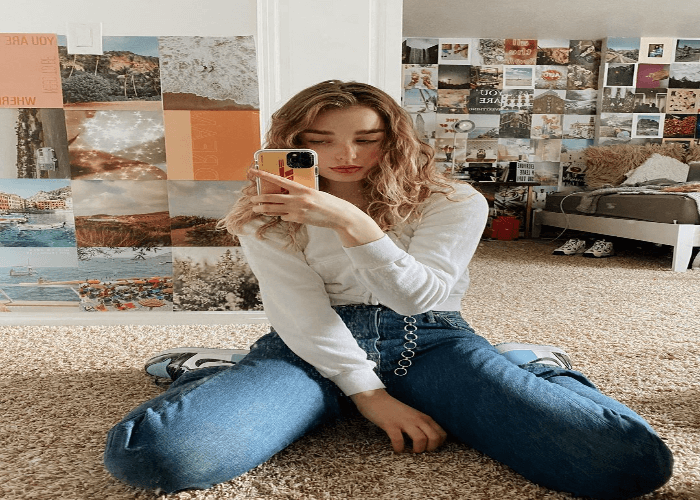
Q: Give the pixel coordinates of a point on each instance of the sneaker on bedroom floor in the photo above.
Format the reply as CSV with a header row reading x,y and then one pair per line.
x,y
600,248
571,247
522,354
166,366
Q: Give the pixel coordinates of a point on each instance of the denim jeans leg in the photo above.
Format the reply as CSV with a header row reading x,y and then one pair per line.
x,y
214,424
548,424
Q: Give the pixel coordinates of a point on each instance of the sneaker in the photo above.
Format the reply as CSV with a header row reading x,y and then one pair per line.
x,y
168,365
523,354
571,247
600,248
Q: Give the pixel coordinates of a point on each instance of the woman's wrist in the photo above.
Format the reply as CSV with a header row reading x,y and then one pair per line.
x,y
357,228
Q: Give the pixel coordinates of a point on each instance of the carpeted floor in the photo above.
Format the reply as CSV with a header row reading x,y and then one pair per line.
x,y
629,323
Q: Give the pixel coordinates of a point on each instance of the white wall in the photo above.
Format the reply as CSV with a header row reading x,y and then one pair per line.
x,y
567,19
133,17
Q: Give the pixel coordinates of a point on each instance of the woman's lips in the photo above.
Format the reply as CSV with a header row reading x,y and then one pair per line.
x,y
346,169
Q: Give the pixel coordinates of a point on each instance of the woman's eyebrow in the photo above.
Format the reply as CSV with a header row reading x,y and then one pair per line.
x,y
370,131
314,131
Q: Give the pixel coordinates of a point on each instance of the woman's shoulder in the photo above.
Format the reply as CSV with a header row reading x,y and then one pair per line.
x,y
457,192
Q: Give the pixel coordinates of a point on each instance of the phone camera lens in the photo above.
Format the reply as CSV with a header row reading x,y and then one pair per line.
x,y
300,159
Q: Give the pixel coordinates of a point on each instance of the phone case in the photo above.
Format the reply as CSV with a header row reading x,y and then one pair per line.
x,y
274,161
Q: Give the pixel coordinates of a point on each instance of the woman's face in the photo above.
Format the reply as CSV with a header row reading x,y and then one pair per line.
x,y
348,142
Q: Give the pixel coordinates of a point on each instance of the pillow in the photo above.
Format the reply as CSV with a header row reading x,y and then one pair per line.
x,y
658,167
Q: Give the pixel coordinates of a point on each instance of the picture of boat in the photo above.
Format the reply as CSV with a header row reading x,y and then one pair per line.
x,y
12,219
41,227
22,271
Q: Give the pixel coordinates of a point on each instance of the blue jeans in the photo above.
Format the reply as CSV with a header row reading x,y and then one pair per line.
x,y
549,424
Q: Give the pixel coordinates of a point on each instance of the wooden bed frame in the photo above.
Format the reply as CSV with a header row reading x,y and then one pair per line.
x,y
682,237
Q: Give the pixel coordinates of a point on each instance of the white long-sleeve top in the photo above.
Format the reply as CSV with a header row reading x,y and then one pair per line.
x,y
421,267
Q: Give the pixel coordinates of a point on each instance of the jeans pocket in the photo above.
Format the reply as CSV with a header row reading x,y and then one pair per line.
x,y
452,320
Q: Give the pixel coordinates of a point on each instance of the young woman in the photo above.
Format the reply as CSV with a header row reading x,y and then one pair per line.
x,y
362,282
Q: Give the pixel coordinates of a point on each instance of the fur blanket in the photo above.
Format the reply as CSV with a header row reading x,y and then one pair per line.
x,y
589,200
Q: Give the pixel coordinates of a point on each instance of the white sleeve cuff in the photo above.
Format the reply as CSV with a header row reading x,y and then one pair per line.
x,y
357,381
378,253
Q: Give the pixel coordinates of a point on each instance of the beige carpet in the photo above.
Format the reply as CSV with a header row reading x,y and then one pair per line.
x,y
629,323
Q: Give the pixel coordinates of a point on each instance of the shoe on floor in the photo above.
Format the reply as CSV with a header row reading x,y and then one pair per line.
x,y
600,248
522,354
571,247
169,365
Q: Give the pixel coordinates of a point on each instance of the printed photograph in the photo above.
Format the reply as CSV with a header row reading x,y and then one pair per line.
x,y
489,51
31,75
683,100
445,125
581,102
656,50
622,50
551,52
477,172
653,76
547,173
116,144
416,76
687,50
36,213
196,207
485,126
420,51
517,99
647,125
520,51
684,76
573,162
125,279
619,75
539,195
518,77
510,149
121,213
33,144
484,101
213,73
482,150
546,149
650,100
551,77
454,77
618,100
618,125
38,280
515,124
585,53
578,127
486,77
455,50
425,125
214,279
549,101
451,150
679,126
210,145
452,101
580,77
420,100
546,126
126,76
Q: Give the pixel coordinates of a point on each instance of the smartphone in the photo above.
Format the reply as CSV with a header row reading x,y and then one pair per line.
x,y
298,165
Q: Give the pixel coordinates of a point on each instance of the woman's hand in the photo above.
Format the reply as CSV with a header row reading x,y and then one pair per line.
x,y
397,419
309,206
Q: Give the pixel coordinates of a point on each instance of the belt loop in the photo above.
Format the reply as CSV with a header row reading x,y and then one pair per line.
x,y
430,316
410,328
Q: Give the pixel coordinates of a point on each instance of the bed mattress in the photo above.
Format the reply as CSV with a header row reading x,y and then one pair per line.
x,y
647,207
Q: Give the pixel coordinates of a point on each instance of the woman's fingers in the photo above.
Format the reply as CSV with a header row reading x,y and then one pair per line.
x,y
277,180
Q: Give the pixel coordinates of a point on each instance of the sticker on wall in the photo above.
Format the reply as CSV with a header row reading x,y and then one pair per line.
x,y
125,279
520,51
573,162
121,213
452,101
578,127
619,75
647,126
517,99
418,76
425,125
518,77
650,100
622,50
656,50
454,77
618,100
116,145
617,125
420,100
211,145
214,279
515,124
209,73
683,100
653,76
678,126
125,76
551,77
552,52
549,101
36,213
684,76
196,207
546,126
581,102
30,71
33,144
490,51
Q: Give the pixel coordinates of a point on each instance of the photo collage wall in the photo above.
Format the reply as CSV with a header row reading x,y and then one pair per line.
x,y
115,168
484,103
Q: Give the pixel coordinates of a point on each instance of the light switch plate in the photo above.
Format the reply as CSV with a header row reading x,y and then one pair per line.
x,y
84,38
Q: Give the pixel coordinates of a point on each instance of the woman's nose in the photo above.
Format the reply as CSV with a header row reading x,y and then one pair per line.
x,y
346,152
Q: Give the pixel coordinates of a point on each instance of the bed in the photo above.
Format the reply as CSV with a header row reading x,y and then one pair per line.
x,y
649,212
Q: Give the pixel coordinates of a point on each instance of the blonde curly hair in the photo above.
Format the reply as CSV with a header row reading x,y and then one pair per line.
x,y
404,178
